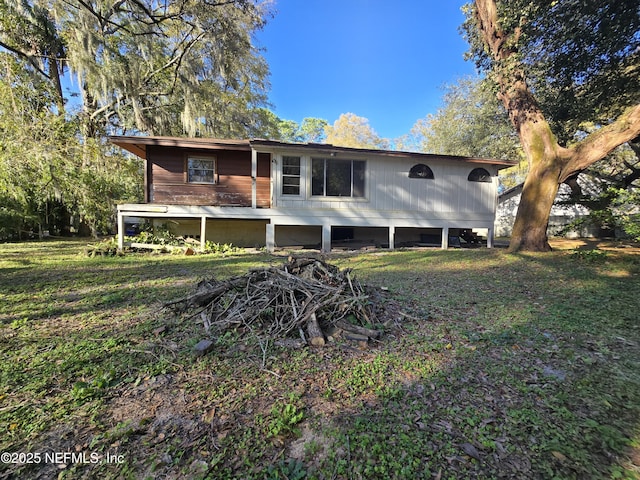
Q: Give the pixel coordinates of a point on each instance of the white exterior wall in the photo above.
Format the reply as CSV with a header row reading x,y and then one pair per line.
x,y
392,200
389,189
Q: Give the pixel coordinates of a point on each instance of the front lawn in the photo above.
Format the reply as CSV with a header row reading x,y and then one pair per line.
x,y
498,366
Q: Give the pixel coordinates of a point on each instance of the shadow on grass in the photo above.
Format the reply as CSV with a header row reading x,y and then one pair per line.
x,y
521,366
513,407
554,395
82,285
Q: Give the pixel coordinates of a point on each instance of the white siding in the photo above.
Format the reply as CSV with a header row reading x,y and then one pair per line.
x,y
389,188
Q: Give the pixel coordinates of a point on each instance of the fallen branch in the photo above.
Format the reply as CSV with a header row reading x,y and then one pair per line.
x,y
366,332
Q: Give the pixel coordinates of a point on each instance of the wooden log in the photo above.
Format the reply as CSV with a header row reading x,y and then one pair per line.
x,y
361,340
314,334
153,246
289,343
356,337
367,332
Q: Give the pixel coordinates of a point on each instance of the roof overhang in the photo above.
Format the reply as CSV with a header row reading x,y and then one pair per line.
x,y
328,149
139,145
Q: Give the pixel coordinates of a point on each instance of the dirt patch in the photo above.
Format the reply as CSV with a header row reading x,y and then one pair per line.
x,y
625,246
311,447
158,419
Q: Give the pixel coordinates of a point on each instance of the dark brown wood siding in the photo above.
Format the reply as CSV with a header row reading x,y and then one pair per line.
x,y
167,178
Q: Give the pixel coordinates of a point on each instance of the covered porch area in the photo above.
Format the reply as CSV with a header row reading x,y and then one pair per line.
x,y
272,228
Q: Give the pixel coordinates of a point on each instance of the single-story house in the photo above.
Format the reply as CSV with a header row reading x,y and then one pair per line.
x,y
270,194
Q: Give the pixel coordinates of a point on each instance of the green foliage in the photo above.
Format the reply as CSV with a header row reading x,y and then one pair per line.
x,y
626,204
589,255
220,248
613,209
285,417
47,172
157,235
105,248
631,226
186,67
162,235
584,49
286,470
180,68
83,391
310,130
578,57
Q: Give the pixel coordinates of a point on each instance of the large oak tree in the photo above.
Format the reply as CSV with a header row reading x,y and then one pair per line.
x,y
162,67
557,64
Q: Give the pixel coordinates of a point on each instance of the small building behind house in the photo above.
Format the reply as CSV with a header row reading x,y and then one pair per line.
x,y
563,212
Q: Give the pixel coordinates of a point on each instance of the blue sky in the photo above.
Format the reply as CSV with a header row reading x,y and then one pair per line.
x,y
380,59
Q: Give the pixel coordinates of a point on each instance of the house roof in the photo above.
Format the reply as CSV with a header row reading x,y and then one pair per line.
x,y
510,192
138,146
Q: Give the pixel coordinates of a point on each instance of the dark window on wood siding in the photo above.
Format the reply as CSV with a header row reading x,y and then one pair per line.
x,y
421,171
479,175
291,175
201,170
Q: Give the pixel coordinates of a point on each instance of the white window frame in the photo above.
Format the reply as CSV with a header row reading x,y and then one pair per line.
x,y
209,160
284,176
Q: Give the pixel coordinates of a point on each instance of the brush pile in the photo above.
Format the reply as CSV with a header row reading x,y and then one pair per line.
x,y
306,298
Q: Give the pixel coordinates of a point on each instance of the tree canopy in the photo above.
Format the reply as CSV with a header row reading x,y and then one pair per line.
x,y
310,130
187,67
48,174
350,130
159,67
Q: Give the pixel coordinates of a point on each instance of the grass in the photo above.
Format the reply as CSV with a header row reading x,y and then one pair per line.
x,y
502,366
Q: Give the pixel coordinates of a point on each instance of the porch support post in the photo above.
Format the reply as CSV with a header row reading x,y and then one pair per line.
x,y
203,232
120,230
254,175
392,236
490,233
326,238
271,237
445,238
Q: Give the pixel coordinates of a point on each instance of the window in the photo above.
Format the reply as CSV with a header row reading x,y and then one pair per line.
x,y
201,170
420,171
479,175
337,178
291,175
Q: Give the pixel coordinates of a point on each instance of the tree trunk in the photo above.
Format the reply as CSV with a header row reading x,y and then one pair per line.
x,y
530,227
549,163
